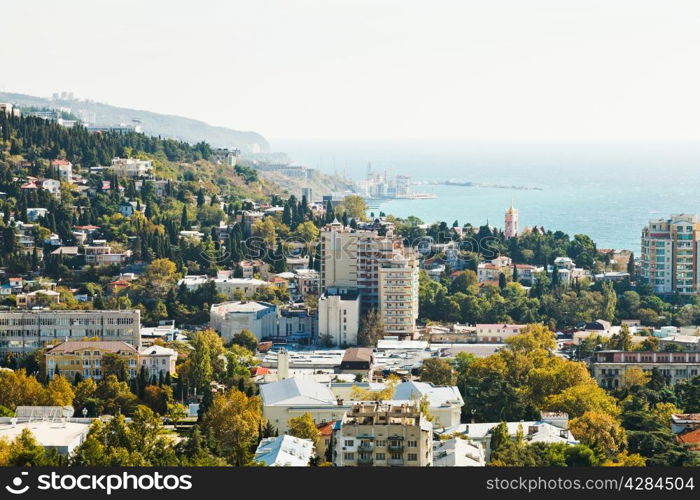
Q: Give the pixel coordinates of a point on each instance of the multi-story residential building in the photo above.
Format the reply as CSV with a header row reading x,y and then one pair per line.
x,y
373,265
339,315
338,257
22,332
65,169
609,367
131,167
670,256
229,318
102,255
85,358
373,252
157,360
383,434
398,296
307,282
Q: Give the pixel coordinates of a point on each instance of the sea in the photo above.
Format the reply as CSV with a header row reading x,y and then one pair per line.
x,y
607,190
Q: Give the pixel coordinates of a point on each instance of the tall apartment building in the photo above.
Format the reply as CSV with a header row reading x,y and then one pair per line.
x,y
398,295
383,434
338,256
670,257
352,259
21,332
609,367
378,267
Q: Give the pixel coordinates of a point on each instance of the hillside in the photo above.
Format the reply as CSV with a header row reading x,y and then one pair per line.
x,y
154,124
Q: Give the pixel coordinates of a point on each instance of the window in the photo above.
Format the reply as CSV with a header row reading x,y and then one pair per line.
x,y
349,442
396,456
412,444
349,456
381,442
412,457
381,456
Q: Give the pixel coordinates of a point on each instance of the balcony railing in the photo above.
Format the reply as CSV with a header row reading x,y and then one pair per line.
x,y
396,448
395,461
365,447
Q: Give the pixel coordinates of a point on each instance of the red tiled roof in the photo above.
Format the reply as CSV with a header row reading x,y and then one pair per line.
x,y
119,283
326,428
692,439
259,370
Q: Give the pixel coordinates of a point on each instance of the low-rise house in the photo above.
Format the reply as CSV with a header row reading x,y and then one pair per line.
x,y
51,185
684,422
33,214
157,360
131,167
38,298
65,169
102,255
285,451
491,271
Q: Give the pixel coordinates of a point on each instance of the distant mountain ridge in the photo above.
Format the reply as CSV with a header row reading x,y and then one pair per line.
x,y
155,124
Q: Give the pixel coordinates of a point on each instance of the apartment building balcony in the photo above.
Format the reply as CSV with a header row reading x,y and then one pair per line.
x,y
395,447
365,446
395,462
365,461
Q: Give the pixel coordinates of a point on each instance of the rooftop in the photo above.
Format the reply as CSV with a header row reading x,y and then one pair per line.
x,y
104,345
295,391
285,451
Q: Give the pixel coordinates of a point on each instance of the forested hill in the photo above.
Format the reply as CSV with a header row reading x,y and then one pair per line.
x,y
169,126
27,143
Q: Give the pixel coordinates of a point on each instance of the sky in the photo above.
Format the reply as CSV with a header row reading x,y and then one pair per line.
x,y
501,70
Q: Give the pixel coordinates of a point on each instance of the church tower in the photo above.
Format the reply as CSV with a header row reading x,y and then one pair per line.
x,y
511,226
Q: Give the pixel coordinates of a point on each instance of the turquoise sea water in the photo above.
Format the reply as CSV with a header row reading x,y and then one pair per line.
x,y
606,190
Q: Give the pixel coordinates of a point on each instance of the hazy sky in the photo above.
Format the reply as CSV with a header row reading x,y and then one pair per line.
x,y
489,69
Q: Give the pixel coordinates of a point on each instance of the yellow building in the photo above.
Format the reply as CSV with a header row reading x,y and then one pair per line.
x,y
85,357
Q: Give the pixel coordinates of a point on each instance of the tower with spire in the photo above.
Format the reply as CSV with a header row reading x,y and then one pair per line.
x,y
511,225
